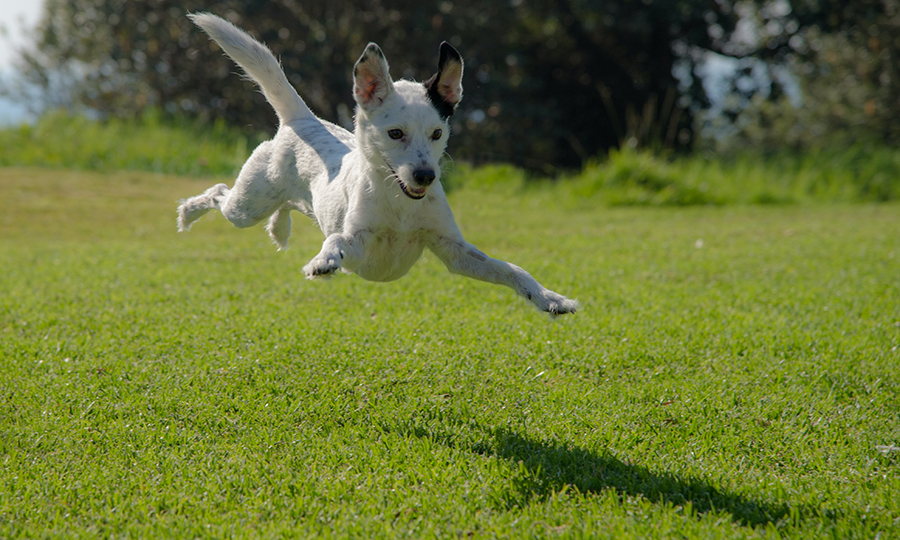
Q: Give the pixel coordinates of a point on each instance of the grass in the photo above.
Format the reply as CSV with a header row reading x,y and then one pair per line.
x,y
733,373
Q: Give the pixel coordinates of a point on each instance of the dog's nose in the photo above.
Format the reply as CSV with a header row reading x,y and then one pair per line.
x,y
424,177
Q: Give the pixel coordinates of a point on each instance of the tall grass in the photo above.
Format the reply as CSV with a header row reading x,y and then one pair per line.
x,y
148,143
626,177
630,177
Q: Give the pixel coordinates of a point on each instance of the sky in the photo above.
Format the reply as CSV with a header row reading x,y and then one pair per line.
x,y
13,13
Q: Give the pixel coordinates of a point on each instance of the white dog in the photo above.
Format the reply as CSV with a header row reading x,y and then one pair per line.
x,y
375,193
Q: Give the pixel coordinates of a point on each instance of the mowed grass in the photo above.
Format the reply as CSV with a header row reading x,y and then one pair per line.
x,y
733,373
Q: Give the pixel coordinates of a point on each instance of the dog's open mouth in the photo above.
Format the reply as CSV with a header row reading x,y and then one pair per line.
x,y
411,192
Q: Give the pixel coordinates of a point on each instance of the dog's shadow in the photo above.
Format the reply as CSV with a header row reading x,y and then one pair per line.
x,y
546,468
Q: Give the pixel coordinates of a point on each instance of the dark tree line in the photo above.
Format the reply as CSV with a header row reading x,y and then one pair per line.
x,y
548,83
846,56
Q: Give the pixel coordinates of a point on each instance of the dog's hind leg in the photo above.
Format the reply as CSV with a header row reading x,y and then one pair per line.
x,y
258,191
279,226
191,209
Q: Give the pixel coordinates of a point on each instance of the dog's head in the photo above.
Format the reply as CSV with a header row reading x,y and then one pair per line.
x,y
403,126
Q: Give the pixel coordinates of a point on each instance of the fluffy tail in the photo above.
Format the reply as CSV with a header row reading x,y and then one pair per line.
x,y
258,62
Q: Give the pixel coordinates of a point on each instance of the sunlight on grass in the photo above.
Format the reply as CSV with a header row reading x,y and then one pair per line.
x,y
732,373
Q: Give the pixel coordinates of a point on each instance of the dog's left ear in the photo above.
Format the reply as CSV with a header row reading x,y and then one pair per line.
x,y
445,86
372,82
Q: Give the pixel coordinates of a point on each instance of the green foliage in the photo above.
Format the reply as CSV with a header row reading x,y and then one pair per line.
x,y
630,177
564,77
550,84
732,374
60,139
858,172
844,58
509,178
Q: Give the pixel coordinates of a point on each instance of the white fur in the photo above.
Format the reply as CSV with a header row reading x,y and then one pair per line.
x,y
377,197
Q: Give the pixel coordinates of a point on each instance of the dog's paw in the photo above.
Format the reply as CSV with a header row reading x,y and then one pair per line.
x,y
556,304
186,217
321,267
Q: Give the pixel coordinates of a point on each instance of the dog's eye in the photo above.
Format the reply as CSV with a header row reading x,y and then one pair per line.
x,y
395,134
437,134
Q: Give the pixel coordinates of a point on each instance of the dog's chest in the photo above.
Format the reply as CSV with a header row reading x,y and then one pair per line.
x,y
390,253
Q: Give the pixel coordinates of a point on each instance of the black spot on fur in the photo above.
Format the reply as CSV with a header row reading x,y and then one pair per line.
x,y
444,109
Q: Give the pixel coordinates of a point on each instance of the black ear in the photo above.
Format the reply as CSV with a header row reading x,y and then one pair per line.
x,y
445,86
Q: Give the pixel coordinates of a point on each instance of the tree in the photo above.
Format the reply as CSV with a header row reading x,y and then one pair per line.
x,y
548,83
845,56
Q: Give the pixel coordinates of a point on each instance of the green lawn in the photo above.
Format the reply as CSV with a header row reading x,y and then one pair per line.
x,y
734,372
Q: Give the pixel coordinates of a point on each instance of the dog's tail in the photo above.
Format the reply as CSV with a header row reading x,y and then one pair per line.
x,y
258,62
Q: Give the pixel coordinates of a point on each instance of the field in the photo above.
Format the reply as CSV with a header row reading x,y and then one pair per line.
x,y
734,372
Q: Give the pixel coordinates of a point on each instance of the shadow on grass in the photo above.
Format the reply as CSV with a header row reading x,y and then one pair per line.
x,y
547,468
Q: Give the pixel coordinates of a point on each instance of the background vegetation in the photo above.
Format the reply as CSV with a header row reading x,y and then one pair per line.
x,y
149,143
551,84
627,176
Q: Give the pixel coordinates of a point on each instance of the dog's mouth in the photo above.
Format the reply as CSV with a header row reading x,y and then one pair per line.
x,y
411,192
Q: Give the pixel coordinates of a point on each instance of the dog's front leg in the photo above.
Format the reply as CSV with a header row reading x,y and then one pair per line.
x,y
338,250
463,258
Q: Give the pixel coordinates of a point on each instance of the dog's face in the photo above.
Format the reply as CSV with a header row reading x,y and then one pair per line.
x,y
403,126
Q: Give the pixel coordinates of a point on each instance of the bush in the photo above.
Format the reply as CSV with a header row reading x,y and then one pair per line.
x,y
628,177
632,177
149,143
857,173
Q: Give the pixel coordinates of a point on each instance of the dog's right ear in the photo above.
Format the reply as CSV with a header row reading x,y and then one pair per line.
x,y
372,82
445,87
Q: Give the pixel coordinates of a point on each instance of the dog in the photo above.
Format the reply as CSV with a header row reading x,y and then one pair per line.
x,y
375,193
